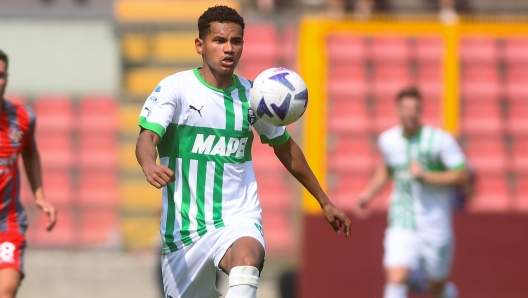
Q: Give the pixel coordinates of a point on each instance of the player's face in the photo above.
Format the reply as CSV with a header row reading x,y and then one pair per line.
x,y
409,110
3,78
222,47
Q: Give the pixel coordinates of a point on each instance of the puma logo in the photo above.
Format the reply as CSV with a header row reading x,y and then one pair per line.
x,y
194,108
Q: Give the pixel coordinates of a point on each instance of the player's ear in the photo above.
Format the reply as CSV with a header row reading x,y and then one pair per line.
x,y
199,45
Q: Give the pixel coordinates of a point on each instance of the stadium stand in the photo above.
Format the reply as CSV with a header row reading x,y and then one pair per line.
x,y
97,114
492,195
55,114
487,155
340,121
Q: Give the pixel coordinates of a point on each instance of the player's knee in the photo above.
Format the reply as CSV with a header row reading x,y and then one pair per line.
x,y
7,292
249,260
436,288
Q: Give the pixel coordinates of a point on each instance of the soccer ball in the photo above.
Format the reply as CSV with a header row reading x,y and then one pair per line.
x,y
279,96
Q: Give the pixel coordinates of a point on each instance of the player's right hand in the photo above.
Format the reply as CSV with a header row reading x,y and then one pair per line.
x,y
360,208
159,175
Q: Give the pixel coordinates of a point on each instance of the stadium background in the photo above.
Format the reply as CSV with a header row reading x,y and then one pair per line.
x,y
86,67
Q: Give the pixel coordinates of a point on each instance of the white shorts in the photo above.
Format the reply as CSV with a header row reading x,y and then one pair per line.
x,y
191,271
405,248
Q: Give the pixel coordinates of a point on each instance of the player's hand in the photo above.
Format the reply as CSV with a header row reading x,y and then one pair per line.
x,y
49,210
416,170
360,208
337,218
159,175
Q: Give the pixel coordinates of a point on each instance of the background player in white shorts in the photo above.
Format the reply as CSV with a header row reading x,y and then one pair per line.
x,y
201,123
424,162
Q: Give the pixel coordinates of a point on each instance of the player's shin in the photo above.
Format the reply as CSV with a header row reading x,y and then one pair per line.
x,y
395,291
450,291
243,282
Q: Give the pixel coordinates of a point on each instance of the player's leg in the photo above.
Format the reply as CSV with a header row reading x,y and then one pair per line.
x,y
9,282
438,265
241,255
443,289
400,257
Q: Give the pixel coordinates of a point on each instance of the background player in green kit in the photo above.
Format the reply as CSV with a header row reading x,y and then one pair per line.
x,y
424,162
202,125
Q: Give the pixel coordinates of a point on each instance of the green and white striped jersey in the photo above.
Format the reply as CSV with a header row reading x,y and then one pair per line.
x,y
414,204
206,136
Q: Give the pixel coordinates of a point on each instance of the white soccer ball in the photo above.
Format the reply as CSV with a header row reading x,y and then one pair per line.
x,y
279,96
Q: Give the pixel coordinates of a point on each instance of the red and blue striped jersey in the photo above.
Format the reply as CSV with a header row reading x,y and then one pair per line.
x,y
17,125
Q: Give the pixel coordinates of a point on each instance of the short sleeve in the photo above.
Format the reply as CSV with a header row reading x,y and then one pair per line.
x,y
159,108
270,134
381,148
450,153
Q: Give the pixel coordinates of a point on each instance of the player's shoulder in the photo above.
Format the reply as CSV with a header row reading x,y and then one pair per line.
x,y
179,77
245,82
437,131
19,109
391,133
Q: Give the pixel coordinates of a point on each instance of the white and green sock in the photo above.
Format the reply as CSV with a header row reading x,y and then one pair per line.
x,y
395,291
243,282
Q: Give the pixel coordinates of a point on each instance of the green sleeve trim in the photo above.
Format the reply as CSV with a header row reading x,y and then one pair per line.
x,y
276,141
460,166
155,127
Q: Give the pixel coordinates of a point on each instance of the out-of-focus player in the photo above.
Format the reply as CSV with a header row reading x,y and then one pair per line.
x,y
202,125
17,127
424,163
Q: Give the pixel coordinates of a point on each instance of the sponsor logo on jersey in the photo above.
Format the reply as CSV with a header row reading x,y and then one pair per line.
x,y
259,227
195,109
153,98
15,135
158,89
213,145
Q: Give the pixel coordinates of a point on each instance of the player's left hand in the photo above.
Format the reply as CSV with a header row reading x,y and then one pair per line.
x,y
337,218
50,211
416,169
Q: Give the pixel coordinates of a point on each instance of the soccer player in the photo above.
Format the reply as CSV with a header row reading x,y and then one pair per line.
x,y
201,123
17,127
424,162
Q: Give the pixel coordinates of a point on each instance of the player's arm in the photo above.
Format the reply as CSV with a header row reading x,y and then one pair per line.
x,y
292,157
378,181
146,154
458,176
31,160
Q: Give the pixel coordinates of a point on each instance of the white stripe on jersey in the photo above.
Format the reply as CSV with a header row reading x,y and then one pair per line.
x,y
237,106
209,189
193,207
178,204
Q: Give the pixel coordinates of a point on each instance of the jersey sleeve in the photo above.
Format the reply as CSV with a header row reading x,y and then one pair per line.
x,y
450,153
159,108
382,148
271,135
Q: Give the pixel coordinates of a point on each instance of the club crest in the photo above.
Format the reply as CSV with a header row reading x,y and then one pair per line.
x,y
15,135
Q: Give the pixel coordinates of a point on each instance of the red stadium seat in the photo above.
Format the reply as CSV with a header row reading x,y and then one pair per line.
x,y
431,112
348,116
57,185
98,152
54,114
274,192
430,80
351,155
519,158
429,49
517,120
277,232
345,192
492,195
390,48
521,194
516,50
289,47
481,82
264,158
98,189
347,80
16,98
99,228
260,43
478,49
64,235
346,49
481,118
517,81
56,151
487,154
385,115
252,69
98,114
389,79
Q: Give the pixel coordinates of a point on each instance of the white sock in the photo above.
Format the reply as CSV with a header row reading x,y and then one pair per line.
x,y
450,291
395,291
243,282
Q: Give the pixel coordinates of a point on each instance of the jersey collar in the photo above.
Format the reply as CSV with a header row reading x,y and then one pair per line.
x,y
227,90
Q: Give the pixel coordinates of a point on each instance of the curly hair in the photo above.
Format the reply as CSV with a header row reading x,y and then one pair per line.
x,y
220,14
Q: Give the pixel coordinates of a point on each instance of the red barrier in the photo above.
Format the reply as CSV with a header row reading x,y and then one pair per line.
x,y
491,257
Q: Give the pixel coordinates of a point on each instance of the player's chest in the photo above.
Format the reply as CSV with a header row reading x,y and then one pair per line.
x,y
217,112
12,136
402,152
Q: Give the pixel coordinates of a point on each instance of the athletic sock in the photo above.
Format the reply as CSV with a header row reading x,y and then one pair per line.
x,y
450,291
243,282
395,291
